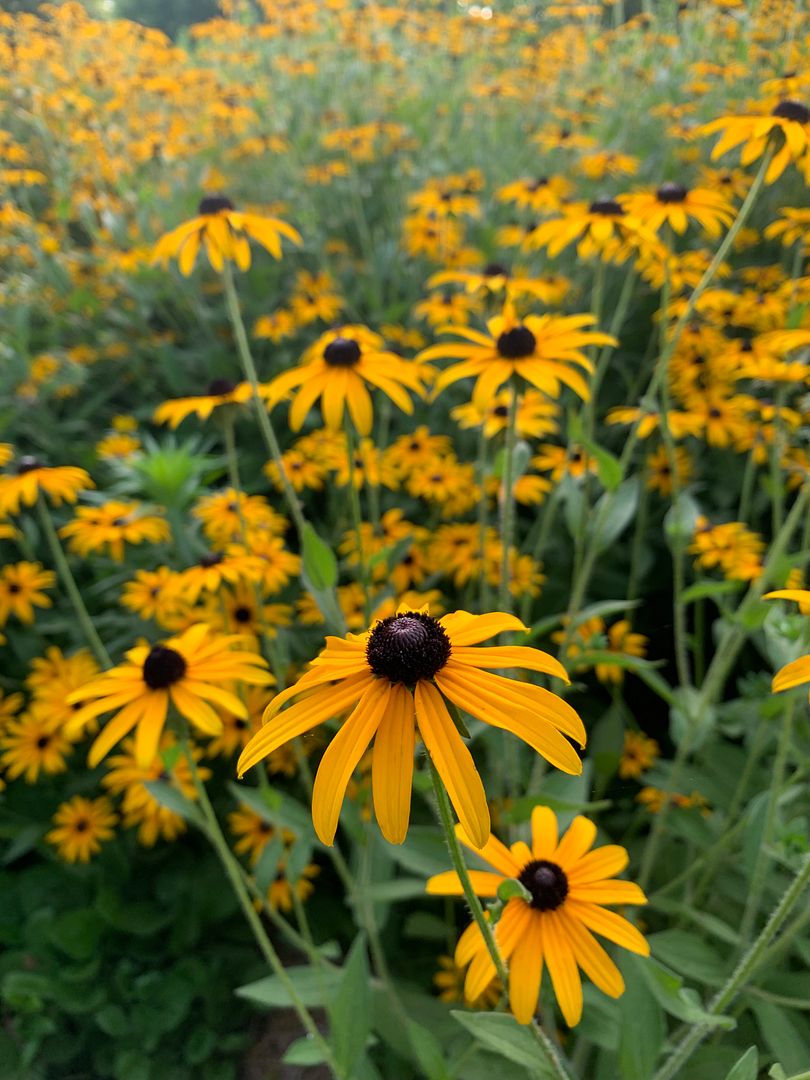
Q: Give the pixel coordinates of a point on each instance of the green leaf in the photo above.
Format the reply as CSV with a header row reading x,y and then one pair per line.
x,y
668,990
643,1028
747,1067
113,1021
782,1035
173,799
267,866
398,889
511,888
679,523
304,1051
621,509
424,926
314,986
702,590
26,839
502,1034
276,808
319,562
350,1010
75,933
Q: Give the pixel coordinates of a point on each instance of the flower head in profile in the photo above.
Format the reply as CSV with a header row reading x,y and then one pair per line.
x,y
186,671
224,232
338,368
797,671
545,350
219,392
567,886
81,827
29,477
675,205
407,673
787,129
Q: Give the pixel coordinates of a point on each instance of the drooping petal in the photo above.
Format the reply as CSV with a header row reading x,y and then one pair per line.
x,y
341,756
525,972
562,967
590,956
449,883
113,732
392,766
453,762
793,674
150,728
610,925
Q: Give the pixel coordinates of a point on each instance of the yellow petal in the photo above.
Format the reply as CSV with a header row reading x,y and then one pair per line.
x,y
597,865
466,629
608,924
453,762
525,972
577,840
792,674
591,957
449,883
511,656
494,852
544,832
392,766
341,758
562,967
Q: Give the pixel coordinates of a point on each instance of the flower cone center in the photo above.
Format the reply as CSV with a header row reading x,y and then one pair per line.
x,y
407,648
547,883
162,667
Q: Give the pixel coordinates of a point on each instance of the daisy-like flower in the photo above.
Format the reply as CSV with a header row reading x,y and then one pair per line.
x,y
21,586
793,226
224,232
336,369
400,675
788,123
797,671
602,227
31,744
673,204
112,526
219,392
495,279
187,670
81,827
568,885
61,484
542,349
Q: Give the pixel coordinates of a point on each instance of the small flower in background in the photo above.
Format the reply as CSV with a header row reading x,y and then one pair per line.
x,y
187,670
674,204
21,586
118,446
787,129
112,526
569,885
638,755
82,825
653,799
449,982
372,674
336,369
730,547
61,484
32,744
218,393
223,232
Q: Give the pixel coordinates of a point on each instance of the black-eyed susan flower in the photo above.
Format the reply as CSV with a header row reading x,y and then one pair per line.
x,y
111,526
399,676
187,671
569,885
224,232
638,754
797,671
337,369
787,127
32,744
21,586
219,392
61,484
673,204
544,350
602,227
81,826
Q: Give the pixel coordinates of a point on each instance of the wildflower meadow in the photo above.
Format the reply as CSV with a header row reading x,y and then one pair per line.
x,y
404,531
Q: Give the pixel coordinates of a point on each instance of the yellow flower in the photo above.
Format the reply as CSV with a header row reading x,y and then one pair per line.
x,y
187,670
61,484
673,204
224,232
219,392
21,586
789,122
32,744
112,525
400,675
81,827
540,349
638,755
797,671
569,885
336,369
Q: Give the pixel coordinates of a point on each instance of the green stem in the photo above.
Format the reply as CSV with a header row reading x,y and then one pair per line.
x,y
747,491
233,871
777,450
477,911
483,507
639,534
69,582
763,857
265,426
357,522
740,976
508,504
537,549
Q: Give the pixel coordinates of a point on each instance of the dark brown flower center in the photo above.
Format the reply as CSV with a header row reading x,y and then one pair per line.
x,y
43,741
547,883
162,667
213,558
792,110
606,207
82,825
501,411
670,192
27,464
495,269
535,185
220,387
243,615
214,204
407,648
342,352
516,343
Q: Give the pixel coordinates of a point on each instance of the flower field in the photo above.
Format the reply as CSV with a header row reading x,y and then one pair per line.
x,y
404,531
